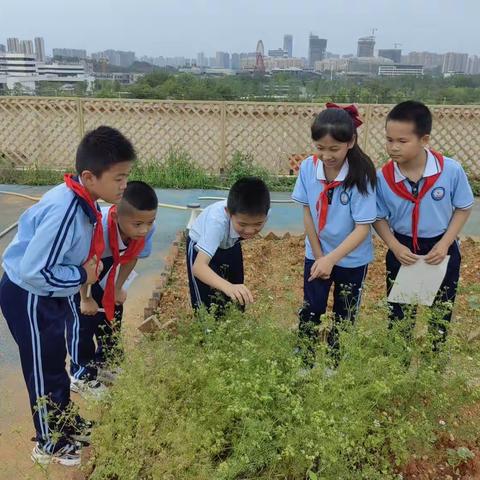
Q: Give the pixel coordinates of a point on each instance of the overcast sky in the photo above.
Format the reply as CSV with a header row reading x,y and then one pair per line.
x,y
186,27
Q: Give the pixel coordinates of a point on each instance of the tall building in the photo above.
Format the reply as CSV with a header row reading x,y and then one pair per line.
x,y
222,60
235,61
455,62
201,60
316,49
3,48
26,47
117,58
427,59
394,54
40,49
13,45
473,66
365,46
288,45
70,53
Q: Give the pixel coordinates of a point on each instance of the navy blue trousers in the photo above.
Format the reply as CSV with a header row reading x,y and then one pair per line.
x,y
446,294
92,339
228,263
347,295
38,327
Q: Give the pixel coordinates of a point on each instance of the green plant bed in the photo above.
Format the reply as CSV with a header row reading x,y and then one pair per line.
x,y
229,399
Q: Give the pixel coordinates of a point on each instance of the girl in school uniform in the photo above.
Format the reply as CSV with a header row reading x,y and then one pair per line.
x,y
337,190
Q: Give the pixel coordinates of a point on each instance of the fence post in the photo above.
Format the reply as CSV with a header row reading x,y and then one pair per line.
x,y
223,140
81,123
366,131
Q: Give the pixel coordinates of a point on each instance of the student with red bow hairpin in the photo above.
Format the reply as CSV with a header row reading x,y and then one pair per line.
x,y
337,190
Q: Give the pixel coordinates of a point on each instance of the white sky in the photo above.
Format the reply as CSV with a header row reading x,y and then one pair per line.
x,y
186,27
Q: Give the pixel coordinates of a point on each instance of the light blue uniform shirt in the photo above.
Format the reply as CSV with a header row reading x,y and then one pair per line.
x,y
52,242
450,191
147,249
347,209
212,230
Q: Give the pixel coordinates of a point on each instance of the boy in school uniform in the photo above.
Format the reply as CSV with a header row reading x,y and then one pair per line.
x,y
57,250
128,231
214,253
423,201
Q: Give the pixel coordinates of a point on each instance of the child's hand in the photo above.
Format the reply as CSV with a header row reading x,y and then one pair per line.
x,y
404,255
90,267
120,296
88,306
437,253
240,293
322,268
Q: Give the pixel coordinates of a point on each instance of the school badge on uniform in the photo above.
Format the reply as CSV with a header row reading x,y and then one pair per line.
x,y
438,193
344,198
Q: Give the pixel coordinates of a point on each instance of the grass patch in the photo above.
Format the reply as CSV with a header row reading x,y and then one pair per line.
x,y
30,176
226,400
178,171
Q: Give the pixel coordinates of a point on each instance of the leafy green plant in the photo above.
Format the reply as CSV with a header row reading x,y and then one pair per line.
x,y
230,399
176,171
458,456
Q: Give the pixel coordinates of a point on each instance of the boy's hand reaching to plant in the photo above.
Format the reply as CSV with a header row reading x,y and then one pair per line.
x,y
239,293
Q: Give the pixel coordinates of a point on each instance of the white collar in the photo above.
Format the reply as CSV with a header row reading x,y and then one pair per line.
x,y
432,167
121,244
342,174
233,233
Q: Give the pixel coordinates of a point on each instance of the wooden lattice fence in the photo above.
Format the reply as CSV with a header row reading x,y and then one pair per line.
x,y
44,132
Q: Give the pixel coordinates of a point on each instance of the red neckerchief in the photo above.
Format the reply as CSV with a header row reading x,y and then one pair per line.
x,y
322,201
133,250
97,244
401,190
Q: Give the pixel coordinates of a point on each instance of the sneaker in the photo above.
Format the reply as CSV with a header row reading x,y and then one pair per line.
x,y
80,430
88,389
108,376
68,455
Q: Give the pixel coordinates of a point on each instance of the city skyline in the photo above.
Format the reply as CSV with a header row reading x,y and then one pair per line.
x,y
211,26
27,46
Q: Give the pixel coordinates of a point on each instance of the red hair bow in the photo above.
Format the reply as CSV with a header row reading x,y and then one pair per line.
x,y
351,110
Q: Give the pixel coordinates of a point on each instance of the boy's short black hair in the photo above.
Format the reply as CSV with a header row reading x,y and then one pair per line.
x,y
414,112
139,195
101,148
250,196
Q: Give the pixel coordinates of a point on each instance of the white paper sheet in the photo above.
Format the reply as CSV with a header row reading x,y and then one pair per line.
x,y
418,283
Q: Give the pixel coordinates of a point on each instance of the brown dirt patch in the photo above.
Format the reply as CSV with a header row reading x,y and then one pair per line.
x,y
274,272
